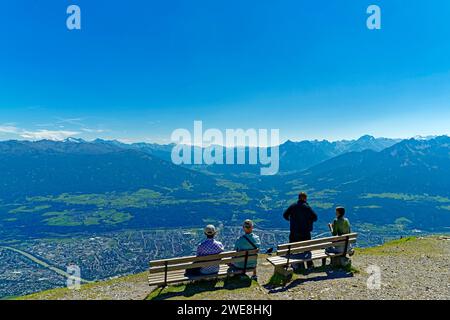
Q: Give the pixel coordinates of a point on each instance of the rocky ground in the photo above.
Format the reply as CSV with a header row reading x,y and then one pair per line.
x,y
411,268
415,269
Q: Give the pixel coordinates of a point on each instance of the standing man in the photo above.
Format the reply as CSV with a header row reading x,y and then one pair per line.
x,y
301,218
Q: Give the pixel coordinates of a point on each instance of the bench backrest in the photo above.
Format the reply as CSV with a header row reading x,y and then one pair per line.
x,y
316,244
184,263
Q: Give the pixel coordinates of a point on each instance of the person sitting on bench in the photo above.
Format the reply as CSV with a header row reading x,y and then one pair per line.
x,y
208,247
339,227
248,241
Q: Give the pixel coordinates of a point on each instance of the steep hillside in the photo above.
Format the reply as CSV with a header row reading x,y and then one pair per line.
x,y
411,268
411,166
410,180
298,156
87,168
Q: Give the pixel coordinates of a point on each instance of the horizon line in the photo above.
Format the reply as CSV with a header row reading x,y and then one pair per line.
x,y
128,142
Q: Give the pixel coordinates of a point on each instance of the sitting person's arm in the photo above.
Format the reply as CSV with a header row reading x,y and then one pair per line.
x,y
236,244
199,250
257,242
334,228
347,227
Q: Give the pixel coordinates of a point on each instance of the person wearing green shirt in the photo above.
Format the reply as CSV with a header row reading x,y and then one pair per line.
x,y
248,241
339,227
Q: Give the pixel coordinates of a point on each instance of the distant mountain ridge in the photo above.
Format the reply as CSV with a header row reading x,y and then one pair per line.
x,y
426,162
25,163
48,167
74,183
297,156
294,156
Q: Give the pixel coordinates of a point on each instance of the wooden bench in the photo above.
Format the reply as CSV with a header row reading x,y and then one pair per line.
x,y
286,253
163,272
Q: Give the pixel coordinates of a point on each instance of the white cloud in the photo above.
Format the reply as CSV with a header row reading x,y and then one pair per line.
x,y
55,132
73,121
9,129
126,141
88,130
48,134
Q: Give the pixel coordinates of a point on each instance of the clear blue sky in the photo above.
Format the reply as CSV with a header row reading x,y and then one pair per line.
x,y
140,69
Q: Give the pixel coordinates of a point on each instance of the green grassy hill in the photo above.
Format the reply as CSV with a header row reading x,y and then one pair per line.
x,y
411,268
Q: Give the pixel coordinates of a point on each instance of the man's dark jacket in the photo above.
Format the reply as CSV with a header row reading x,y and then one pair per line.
x,y
301,217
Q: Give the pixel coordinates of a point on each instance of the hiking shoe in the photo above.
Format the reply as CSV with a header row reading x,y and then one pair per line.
x,y
254,277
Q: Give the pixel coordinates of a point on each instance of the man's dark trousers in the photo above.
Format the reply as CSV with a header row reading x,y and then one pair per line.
x,y
296,237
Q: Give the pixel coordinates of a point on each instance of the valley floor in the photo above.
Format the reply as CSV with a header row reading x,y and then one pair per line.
x,y
411,268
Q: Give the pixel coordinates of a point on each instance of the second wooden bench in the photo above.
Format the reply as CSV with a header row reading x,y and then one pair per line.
x,y
287,254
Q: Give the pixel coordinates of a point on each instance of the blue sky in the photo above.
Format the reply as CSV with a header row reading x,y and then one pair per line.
x,y
140,69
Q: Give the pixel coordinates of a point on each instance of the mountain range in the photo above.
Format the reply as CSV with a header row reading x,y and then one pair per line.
x,y
76,185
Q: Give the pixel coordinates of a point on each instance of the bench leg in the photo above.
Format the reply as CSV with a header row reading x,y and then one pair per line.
x,y
324,262
161,289
340,262
287,273
301,266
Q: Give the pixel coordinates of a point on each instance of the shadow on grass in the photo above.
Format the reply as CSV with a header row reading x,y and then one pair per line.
x,y
193,288
279,283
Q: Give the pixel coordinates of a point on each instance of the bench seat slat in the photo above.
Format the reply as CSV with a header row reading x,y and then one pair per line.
x,y
323,245
179,276
313,253
177,273
169,274
318,254
317,241
280,261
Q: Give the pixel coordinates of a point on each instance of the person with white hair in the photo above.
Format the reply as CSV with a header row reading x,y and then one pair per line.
x,y
248,241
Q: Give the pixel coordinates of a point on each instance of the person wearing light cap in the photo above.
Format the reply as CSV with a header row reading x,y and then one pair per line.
x,y
208,247
248,241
